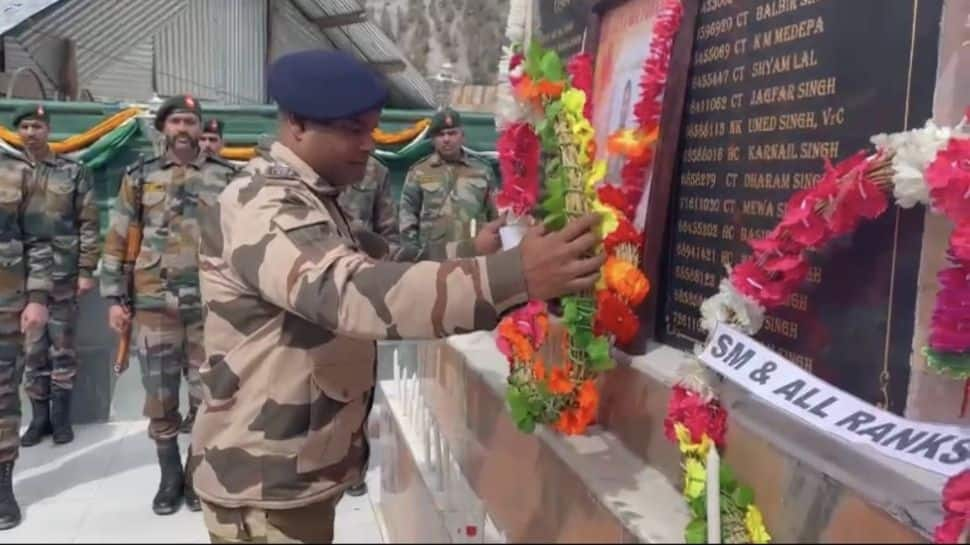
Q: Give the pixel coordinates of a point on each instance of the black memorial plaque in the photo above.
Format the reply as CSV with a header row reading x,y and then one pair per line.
x,y
563,24
774,88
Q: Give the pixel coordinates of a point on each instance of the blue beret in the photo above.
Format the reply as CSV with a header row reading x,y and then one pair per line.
x,y
325,85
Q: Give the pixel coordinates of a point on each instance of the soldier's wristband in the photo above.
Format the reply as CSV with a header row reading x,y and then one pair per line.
x,y
37,296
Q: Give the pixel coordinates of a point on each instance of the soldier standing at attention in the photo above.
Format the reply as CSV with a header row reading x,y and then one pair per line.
x,y
167,321
25,284
445,192
211,140
51,358
294,308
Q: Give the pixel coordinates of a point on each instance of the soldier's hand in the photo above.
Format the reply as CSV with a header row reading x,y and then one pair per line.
x,y
554,264
33,317
488,241
118,318
84,285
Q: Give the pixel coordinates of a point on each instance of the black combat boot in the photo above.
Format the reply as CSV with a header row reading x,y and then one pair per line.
x,y
61,416
40,423
9,510
172,484
191,499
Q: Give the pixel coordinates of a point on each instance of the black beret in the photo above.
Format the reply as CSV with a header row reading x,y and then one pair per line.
x,y
444,119
178,103
212,125
31,111
325,85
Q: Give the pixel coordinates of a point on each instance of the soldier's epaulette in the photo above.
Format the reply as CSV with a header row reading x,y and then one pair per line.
x,y
134,166
222,162
12,155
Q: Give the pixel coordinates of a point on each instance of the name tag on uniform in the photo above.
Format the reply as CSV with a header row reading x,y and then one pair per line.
x,y
280,171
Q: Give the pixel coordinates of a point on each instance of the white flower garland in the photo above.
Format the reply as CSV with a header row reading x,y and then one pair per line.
x,y
507,108
730,306
914,150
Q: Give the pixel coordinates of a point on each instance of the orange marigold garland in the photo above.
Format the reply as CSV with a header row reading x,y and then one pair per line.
x,y
564,394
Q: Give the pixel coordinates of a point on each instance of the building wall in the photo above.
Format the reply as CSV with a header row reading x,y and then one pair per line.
x,y
215,50
130,78
105,32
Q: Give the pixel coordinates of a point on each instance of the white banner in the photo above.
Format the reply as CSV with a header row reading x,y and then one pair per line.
x,y
937,448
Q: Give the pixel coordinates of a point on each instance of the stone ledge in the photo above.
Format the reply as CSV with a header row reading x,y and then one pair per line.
x,y
542,486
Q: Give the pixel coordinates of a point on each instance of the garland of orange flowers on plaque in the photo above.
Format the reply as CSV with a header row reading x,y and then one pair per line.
x,y
552,113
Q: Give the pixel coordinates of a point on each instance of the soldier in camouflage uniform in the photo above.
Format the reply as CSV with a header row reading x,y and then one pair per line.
x,y
211,140
51,360
446,191
26,262
294,308
167,321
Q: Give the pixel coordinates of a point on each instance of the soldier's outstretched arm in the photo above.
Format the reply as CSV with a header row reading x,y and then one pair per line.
x,y
410,210
302,266
87,213
38,253
122,214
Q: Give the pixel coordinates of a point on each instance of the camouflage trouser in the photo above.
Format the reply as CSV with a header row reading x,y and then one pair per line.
x,y
310,524
51,357
11,345
165,341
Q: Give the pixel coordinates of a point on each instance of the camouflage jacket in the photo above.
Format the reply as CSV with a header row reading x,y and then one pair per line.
x,y
26,259
440,199
371,209
167,264
293,310
72,215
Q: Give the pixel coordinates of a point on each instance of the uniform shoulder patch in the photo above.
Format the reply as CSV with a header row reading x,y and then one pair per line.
x,y
134,166
277,170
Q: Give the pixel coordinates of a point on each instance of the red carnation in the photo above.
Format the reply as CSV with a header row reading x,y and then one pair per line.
x,y
949,179
699,417
580,70
615,317
625,233
960,241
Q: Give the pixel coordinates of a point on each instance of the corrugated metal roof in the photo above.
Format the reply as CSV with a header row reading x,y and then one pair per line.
x,y
366,40
215,50
15,56
291,31
15,12
100,29
328,8
128,79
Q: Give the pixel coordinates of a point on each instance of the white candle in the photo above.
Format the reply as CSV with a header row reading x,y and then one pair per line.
x,y
472,229
713,496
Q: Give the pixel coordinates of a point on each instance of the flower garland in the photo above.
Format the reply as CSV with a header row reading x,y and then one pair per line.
x,y
637,144
956,510
564,396
929,166
554,106
697,423
79,141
